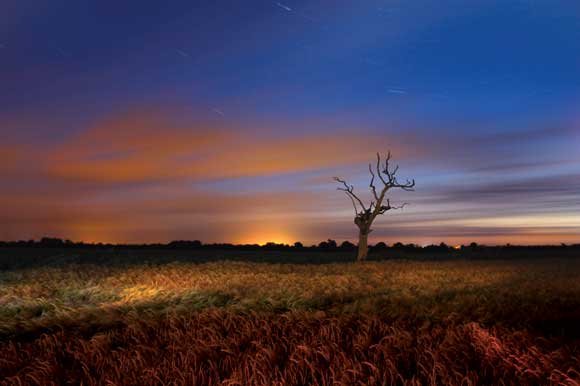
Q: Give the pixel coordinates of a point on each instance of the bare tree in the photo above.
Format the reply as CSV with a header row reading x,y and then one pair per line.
x,y
363,216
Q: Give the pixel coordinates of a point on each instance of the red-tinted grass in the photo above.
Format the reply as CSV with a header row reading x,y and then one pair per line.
x,y
223,347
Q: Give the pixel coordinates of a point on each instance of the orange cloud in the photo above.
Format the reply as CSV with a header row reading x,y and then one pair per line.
x,y
88,188
149,146
128,179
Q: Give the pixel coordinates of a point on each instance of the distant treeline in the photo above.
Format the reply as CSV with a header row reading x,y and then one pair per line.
x,y
50,251
328,245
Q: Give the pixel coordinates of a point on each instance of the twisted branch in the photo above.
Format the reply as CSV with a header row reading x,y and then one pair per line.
x,y
348,189
389,179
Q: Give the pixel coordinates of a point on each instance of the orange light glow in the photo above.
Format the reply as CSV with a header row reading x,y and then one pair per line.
x,y
267,236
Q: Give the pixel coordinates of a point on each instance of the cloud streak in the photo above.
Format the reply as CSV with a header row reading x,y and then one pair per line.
x,y
152,175
149,147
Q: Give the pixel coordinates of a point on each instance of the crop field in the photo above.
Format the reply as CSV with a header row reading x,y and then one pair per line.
x,y
454,322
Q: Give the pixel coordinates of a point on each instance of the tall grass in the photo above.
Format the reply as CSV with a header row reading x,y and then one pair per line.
x,y
217,346
393,322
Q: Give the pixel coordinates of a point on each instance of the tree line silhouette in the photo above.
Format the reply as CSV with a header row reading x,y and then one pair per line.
x,y
327,245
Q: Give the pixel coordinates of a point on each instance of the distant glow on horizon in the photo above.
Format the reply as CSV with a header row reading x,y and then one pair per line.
x,y
263,239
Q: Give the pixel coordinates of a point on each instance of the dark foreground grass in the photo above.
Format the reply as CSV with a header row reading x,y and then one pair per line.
x,y
233,323
216,346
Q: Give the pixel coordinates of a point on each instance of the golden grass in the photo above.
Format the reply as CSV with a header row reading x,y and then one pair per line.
x,y
405,322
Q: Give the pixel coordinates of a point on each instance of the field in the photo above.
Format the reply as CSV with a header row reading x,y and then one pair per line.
x,y
176,322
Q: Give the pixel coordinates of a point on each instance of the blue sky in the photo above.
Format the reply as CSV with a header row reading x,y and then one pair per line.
x,y
225,121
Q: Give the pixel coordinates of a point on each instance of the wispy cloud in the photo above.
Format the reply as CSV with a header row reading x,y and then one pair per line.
x,y
396,91
152,147
284,7
149,174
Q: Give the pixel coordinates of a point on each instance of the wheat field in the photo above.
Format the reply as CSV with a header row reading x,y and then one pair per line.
x,y
239,323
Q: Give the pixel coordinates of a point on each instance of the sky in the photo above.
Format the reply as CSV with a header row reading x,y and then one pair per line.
x,y
225,121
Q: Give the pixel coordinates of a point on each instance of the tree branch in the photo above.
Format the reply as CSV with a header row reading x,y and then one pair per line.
x,y
379,169
349,190
408,186
353,204
401,206
372,185
387,207
376,207
392,178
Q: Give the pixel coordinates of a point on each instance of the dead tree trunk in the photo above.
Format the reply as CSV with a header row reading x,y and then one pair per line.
x,y
364,216
363,247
